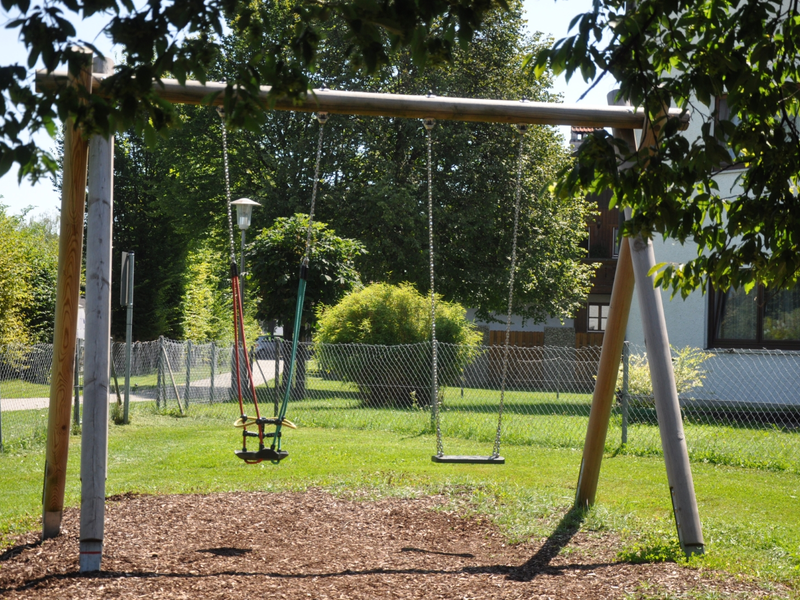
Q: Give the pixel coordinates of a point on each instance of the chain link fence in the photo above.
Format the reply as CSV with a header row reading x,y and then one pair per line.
x,y
739,407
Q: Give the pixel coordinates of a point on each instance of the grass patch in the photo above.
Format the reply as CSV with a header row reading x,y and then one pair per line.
x,y
531,418
18,388
749,523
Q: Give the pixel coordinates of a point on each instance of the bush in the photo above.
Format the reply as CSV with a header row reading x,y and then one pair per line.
x,y
396,319
686,363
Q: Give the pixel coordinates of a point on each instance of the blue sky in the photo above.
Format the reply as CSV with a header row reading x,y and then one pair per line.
x,y
548,16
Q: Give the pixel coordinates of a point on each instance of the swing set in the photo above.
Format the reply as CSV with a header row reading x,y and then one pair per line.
x,y
635,262
274,453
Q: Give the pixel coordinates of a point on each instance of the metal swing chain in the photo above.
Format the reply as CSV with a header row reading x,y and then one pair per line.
x,y
429,123
227,182
236,315
521,129
322,117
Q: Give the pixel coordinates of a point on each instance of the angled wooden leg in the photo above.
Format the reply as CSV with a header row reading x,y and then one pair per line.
x,y
70,246
603,397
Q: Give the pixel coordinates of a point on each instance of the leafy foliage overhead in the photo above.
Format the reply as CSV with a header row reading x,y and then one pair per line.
x,y
181,38
692,53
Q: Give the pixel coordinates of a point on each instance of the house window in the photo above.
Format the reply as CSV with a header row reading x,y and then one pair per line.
x,y
759,319
598,316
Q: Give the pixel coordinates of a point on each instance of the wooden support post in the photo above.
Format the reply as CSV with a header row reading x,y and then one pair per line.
x,y
610,356
603,397
94,441
70,245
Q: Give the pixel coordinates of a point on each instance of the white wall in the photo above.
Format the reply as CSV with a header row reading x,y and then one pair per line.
x,y
686,319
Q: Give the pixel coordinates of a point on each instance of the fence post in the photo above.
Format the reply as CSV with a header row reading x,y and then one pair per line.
x,y
558,382
213,369
278,347
160,374
626,355
129,270
188,372
76,410
113,374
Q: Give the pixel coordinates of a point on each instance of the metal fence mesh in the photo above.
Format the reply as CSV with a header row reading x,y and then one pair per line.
x,y
739,408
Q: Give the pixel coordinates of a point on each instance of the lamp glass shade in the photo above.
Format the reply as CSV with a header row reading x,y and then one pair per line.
x,y
244,212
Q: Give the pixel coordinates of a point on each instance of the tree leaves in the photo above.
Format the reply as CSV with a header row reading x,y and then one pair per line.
x,y
693,53
182,38
275,256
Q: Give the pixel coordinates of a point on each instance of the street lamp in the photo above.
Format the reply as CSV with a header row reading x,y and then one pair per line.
x,y
244,211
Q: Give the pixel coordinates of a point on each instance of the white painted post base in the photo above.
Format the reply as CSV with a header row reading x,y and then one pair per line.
x,y
91,555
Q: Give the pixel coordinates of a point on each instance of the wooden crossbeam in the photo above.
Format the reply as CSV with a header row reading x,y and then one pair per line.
x,y
397,105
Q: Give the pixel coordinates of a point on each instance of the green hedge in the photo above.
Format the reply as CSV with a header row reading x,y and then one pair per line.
x,y
374,336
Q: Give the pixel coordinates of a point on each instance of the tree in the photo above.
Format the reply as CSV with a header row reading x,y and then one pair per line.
x,y
374,172
28,264
182,38
388,315
13,282
734,65
41,257
143,224
275,256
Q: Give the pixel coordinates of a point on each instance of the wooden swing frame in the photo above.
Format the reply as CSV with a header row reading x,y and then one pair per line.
x,y
635,261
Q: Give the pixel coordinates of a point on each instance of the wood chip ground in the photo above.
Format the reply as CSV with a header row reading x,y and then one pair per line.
x,y
315,545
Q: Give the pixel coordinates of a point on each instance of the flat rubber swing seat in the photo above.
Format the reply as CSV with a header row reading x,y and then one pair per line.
x,y
263,454
466,459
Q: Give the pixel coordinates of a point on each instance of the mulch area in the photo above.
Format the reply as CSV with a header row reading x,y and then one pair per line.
x,y
316,545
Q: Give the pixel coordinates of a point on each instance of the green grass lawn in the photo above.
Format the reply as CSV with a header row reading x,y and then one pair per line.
x,y
750,517
17,388
544,419
530,418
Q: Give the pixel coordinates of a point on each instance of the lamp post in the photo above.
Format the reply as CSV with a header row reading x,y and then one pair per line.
x,y
244,212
